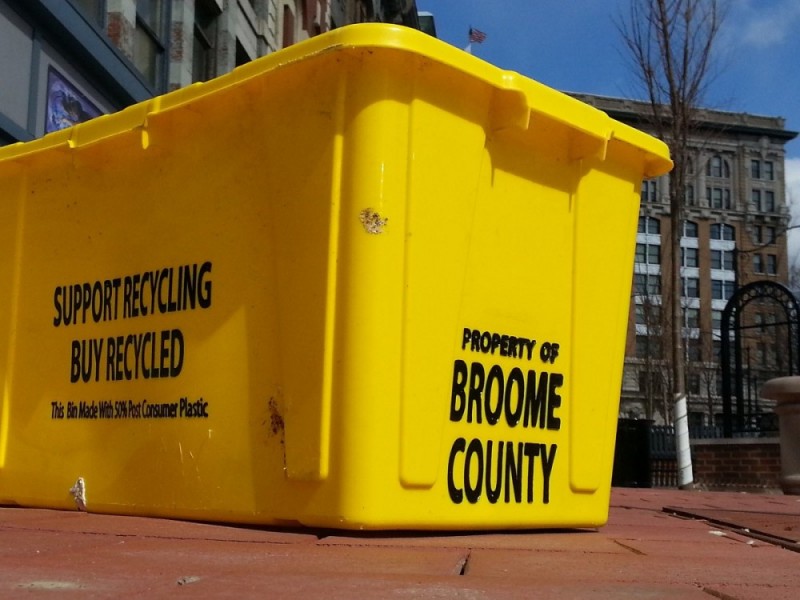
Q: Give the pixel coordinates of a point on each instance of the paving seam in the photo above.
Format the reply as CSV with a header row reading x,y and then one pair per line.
x,y
775,540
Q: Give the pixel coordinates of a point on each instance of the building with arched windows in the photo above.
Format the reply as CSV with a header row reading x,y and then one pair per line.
x,y
733,233
65,61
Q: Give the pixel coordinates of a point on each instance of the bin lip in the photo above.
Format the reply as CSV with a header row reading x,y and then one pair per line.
x,y
533,97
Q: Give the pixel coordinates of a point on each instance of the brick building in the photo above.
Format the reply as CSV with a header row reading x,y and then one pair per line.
x,y
733,234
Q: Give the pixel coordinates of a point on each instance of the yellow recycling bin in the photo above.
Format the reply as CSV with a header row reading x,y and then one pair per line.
x,y
369,281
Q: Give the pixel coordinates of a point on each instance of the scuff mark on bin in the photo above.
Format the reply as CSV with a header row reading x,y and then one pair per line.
x,y
276,426
78,492
275,418
373,223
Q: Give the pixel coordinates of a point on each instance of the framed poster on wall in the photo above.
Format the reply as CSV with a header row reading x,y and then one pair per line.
x,y
66,105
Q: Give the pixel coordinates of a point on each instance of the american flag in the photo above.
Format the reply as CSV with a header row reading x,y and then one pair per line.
x,y
476,36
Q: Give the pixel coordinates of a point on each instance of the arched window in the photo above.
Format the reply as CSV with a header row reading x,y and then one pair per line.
x,y
718,167
649,225
689,229
721,231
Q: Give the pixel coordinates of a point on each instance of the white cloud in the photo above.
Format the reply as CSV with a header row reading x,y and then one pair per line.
x,y
770,27
792,167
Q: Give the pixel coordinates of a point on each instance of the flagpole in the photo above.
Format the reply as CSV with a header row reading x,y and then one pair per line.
x,y
468,49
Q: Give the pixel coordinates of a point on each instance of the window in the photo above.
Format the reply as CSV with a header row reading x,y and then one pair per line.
x,y
689,196
648,346
758,263
149,41
648,254
722,259
689,229
769,201
95,10
288,26
762,169
649,225
721,290
649,191
646,284
205,32
719,197
755,169
692,317
720,231
755,199
718,167
761,354
649,382
772,264
648,314
691,287
694,350
716,319
764,234
693,384
689,257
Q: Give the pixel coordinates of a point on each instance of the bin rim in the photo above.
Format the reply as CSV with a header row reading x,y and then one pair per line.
x,y
527,96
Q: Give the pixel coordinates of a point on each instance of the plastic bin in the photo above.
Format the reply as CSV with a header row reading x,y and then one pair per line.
x,y
369,281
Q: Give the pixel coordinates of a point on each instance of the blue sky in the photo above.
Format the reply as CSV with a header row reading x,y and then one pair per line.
x,y
574,45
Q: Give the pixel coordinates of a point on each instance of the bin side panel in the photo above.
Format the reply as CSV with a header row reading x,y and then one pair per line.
x,y
449,161
12,189
607,205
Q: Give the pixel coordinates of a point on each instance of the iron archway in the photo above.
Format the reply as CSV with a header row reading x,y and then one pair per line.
x,y
731,344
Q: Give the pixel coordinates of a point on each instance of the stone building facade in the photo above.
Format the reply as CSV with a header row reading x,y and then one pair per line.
x,y
98,56
734,233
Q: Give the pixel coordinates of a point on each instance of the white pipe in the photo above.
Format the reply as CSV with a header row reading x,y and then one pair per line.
x,y
684,453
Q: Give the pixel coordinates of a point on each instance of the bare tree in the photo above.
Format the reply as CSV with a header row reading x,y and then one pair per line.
x,y
670,43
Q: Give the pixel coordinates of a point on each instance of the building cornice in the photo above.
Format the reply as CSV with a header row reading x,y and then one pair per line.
x,y
637,113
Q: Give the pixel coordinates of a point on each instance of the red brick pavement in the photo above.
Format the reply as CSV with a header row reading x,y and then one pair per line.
x,y
644,551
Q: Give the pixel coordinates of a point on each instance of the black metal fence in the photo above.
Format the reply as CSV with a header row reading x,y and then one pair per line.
x,y
645,454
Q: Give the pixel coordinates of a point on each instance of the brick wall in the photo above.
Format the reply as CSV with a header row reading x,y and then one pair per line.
x,y
750,463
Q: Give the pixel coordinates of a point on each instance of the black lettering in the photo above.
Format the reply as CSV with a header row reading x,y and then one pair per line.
x,y
204,287
531,451
126,298
513,473
547,468
535,400
495,376
477,377
77,302
75,363
162,304
176,353
57,320
476,341
475,450
554,401
466,338
456,493
493,493
458,396
515,379
486,342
